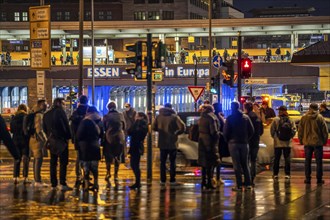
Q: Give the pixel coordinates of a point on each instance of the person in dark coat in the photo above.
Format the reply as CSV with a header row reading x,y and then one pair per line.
x,y
168,125
324,111
238,131
254,141
129,115
21,142
267,111
138,132
89,132
114,143
7,141
208,141
222,146
57,129
75,119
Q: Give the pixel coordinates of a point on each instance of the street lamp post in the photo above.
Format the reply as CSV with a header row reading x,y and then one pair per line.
x,y
210,46
81,46
93,53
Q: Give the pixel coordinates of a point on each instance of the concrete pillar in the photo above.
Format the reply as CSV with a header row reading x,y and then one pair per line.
x,y
32,91
162,37
177,45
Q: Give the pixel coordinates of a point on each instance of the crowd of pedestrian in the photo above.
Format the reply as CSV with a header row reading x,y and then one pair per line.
x,y
42,130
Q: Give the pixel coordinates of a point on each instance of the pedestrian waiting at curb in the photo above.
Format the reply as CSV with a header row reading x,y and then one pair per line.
x,y
137,132
282,131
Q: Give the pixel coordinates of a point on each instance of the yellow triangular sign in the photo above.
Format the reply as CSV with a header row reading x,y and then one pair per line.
x,y
196,91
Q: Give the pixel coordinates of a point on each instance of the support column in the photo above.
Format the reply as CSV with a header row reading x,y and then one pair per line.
x,y
177,46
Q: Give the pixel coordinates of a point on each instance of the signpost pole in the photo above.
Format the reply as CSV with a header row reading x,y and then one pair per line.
x,y
149,107
93,53
239,67
195,77
81,46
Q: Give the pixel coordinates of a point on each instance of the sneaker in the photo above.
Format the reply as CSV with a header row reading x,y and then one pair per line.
x,y
15,180
65,188
27,181
287,177
275,177
307,181
237,188
248,188
40,184
320,182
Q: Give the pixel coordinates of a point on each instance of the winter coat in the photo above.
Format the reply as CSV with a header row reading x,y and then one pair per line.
x,y
129,117
238,128
268,112
313,129
208,141
75,119
274,133
258,129
88,136
38,139
138,132
56,126
6,138
168,125
114,125
16,127
325,113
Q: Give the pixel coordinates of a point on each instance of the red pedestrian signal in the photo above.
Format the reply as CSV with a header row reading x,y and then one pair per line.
x,y
246,68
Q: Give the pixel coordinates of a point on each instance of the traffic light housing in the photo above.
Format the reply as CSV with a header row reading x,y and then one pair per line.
x,y
215,84
160,53
246,65
137,70
229,73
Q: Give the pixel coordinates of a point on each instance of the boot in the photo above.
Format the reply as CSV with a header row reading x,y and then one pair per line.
x,y
209,184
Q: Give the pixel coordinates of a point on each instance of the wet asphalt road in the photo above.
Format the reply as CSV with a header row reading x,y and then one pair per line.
x,y
280,200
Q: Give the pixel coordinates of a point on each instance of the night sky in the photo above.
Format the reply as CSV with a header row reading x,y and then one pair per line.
x,y
322,7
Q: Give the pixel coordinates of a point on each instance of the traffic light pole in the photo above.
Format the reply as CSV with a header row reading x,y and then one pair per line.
x,y
81,46
195,78
149,107
239,67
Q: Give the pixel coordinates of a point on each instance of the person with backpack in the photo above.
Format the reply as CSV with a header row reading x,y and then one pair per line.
x,y
254,141
208,153
33,127
88,136
75,119
238,131
129,116
114,143
21,142
168,125
138,131
282,131
313,134
56,126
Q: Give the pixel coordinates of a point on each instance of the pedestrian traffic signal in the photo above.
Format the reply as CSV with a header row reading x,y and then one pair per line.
x,y
246,65
137,70
229,73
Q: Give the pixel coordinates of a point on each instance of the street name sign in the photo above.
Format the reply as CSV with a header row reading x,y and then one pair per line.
x,y
40,37
256,81
196,91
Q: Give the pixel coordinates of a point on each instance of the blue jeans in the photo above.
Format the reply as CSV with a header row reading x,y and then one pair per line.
x,y
318,151
240,154
163,157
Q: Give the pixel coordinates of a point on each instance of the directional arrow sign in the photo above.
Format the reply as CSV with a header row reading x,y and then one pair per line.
x,y
196,91
217,61
39,13
40,56
39,30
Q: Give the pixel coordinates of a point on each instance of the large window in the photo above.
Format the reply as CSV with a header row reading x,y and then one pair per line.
x,y
87,15
153,15
3,16
16,16
139,1
168,15
59,16
67,16
140,15
24,16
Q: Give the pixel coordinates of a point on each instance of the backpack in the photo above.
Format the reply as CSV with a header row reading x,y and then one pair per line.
x,y
28,124
193,133
285,130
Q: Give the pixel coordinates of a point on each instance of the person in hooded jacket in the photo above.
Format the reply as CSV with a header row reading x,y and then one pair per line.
x,y
254,141
313,134
282,145
37,142
114,143
89,133
168,125
238,131
21,142
75,119
208,141
138,132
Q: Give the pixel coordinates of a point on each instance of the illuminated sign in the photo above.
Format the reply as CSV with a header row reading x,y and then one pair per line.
x,y
104,72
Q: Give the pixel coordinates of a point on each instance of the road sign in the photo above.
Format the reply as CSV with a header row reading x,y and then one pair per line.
x,y
196,91
40,55
40,36
217,61
256,81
